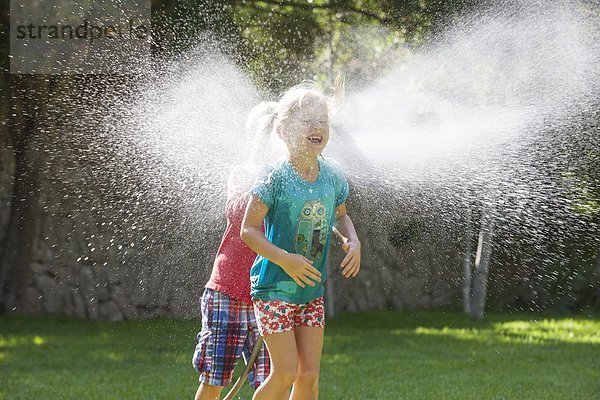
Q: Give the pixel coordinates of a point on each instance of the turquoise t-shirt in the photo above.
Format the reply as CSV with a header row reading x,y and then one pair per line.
x,y
300,220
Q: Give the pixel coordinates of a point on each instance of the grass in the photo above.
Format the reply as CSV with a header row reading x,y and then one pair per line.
x,y
377,355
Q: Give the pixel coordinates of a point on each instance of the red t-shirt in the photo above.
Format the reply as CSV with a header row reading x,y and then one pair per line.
x,y
231,269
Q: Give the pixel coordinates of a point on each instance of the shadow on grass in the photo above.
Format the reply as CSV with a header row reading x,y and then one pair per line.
x,y
446,356
375,355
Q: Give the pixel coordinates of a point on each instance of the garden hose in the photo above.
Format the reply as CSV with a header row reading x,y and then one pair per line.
x,y
240,381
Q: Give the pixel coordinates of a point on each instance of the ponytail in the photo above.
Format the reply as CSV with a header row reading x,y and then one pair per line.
x,y
259,127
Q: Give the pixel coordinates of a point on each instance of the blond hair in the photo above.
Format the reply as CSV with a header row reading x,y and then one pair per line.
x,y
259,127
293,99
265,118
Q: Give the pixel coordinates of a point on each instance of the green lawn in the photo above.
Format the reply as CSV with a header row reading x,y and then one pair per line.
x,y
377,355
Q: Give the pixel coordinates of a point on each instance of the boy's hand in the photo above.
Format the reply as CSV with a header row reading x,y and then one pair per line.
x,y
300,269
351,263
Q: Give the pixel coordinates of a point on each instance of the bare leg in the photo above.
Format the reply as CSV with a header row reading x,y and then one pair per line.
x,y
309,342
284,366
287,395
208,392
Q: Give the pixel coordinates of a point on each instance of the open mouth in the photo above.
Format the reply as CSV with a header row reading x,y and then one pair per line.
x,y
315,139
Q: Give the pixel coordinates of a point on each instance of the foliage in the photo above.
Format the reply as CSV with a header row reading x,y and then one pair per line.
x,y
283,42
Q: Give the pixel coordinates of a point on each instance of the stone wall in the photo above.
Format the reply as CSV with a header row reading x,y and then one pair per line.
x,y
109,240
103,238
102,255
95,255
92,235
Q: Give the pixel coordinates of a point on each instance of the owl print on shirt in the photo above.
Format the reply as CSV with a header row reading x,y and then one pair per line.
x,y
312,230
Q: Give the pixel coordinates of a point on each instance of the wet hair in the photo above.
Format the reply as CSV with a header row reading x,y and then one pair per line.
x,y
293,99
259,127
265,117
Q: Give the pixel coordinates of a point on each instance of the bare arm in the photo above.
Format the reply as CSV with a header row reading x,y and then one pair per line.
x,y
344,229
299,268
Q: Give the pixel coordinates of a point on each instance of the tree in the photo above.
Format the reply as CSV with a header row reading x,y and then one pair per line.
x,y
475,278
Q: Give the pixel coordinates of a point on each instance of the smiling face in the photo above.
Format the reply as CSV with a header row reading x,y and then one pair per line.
x,y
306,129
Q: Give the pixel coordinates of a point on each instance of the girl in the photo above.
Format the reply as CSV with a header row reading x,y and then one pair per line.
x,y
301,199
228,322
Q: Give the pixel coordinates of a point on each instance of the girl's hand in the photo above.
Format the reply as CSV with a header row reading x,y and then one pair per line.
x,y
300,269
351,263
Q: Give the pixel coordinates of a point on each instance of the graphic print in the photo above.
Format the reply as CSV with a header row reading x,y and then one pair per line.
x,y
312,230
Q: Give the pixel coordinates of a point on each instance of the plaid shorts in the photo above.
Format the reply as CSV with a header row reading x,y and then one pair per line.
x,y
276,316
228,331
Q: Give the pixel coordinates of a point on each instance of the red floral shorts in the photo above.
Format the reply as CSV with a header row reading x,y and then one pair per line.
x,y
276,316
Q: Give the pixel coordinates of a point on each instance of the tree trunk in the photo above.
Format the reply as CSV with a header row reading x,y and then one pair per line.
x,y
595,281
7,180
7,164
15,274
17,254
482,266
468,264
